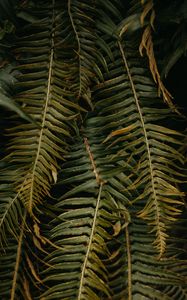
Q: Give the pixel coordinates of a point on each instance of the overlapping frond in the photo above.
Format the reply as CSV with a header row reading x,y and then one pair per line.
x,y
116,169
42,92
100,238
145,276
126,100
9,271
141,15
16,268
81,16
88,211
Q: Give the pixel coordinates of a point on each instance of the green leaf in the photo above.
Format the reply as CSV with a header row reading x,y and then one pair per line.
x,y
9,103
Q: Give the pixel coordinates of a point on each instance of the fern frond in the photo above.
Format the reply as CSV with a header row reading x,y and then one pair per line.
x,y
142,15
128,102
8,273
137,273
81,230
19,259
81,16
12,265
11,212
115,170
42,92
176,292
147,44
7,80
88,208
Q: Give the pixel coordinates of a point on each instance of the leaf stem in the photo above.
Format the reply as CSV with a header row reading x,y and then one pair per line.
x,y
129,263
90,243
47,101
18,258
79,47
97,176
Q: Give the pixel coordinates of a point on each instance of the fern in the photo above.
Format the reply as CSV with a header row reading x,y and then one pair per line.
x,y
12,265
81,16
83,226
145,276
91,178
8,271
35,148
97,202
125,99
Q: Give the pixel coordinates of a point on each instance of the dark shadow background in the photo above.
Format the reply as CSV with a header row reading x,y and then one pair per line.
x,y
176,83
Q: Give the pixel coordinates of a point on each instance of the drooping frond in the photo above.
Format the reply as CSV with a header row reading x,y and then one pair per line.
x,y
83,227
11,211
128,100
19,258
99,235
161,145
142,13
145,277
9,265
147,44
81,17
108,228
43,93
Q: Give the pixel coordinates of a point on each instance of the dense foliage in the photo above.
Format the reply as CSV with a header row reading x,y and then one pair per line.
x,y
92,193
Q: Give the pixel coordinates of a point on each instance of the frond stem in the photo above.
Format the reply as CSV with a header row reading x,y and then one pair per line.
x,y
90,242
47,101
18,258
129,263
79,46
98,179
11,203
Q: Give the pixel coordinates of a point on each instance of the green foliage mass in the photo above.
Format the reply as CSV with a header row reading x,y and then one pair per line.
x,y
92,198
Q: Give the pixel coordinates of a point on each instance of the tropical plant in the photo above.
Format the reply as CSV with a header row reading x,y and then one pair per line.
x,y
93,171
